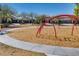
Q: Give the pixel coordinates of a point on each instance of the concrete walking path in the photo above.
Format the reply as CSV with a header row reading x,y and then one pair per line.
x,y
47,49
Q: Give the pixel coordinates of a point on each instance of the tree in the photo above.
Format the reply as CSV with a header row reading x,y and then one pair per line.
x,y
24,17
29,17
32,17
6,14
76,9
40,19
0,18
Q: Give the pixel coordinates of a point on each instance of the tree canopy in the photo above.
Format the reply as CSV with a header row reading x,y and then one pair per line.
x,y
76,9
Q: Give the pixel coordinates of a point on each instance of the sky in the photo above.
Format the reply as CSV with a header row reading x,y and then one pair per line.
x,y
44,8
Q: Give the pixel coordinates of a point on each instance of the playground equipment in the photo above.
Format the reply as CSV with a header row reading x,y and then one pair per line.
x,y
73,18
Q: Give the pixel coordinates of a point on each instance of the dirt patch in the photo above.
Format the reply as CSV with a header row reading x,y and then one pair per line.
x,y
11,51
47,36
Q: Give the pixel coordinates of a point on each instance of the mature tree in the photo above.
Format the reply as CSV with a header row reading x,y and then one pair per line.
x,y
0,18
32,17
23,17
76,9
6,14
40,19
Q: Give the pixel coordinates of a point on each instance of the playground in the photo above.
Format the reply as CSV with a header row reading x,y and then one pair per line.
x,y
32,34
50,33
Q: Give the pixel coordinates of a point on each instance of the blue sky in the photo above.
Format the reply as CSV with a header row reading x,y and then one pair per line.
x,y
44,8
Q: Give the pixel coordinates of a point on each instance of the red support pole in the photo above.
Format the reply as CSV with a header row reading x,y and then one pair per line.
x,y
72,30
55,30
74,25
39,30
76,28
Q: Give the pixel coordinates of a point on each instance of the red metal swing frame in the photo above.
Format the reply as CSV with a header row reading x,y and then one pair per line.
x,y
73,18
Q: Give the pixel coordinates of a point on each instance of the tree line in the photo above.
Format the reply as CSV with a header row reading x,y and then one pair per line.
x,y
8,15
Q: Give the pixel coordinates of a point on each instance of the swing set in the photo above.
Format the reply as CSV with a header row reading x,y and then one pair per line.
x,y
73,18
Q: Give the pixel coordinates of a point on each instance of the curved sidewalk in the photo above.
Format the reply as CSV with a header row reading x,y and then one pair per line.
x,y
47,49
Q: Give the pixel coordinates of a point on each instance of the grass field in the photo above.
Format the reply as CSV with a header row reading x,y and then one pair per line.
x,y
47,36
